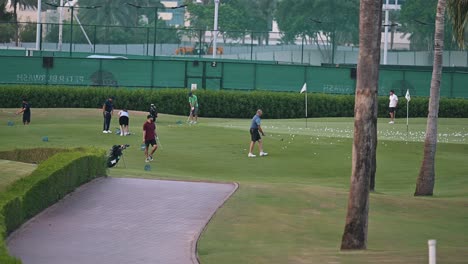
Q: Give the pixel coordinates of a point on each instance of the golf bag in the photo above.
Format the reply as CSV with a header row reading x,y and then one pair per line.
x,y
153,112
115,154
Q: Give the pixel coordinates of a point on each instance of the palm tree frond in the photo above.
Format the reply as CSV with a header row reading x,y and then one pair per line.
x,y
458,12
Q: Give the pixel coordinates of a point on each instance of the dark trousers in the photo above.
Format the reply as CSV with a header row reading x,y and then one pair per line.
x,y
107,119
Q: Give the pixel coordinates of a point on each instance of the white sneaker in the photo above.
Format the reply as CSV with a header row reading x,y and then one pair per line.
x,y
147,160
150,158
251,155
263,154
391,122
104,131
109,132
195,122
121,134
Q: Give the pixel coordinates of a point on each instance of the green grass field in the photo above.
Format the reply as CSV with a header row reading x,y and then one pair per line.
x,y
291,205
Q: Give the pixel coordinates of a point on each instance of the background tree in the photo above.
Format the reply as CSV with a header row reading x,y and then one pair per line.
x,y
114,12
417,18
458,10
28,32
21,4
319,23
236,17
365,125
7,31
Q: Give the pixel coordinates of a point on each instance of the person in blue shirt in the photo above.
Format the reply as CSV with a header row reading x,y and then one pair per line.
x,y
255,130
26,110
107,111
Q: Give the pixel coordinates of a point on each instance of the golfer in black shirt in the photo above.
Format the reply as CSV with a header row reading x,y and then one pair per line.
x,y
107,111
26,110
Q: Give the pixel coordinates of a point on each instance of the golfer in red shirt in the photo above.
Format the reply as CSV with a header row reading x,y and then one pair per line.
x,y
149,137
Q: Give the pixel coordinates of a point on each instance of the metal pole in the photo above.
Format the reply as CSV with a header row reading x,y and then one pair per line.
x,y
333,44
251,45
215,27
200,43
71,30
94,48
386,33
302,50
38,25
60,36
155,28
147,40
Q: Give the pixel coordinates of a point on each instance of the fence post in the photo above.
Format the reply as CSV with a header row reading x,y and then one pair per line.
x,y
147,41
302,50
94,40
40,38
251,45
200,44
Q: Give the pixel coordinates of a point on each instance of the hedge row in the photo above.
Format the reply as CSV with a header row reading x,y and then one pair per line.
x,y
224,104
36,155
51,181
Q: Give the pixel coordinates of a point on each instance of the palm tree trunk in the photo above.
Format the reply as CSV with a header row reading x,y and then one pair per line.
x,y
426,178
365,125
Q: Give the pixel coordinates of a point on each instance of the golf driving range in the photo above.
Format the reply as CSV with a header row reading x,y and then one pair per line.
x,y
290,206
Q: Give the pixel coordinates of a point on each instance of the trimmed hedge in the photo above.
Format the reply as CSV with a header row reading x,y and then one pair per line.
x,y
52,180
36,155
223,104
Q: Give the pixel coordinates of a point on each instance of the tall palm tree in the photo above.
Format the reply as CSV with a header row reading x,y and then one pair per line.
x,y
21,4
458,10
365,125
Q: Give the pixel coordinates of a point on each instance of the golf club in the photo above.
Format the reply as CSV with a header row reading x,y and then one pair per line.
x,y
159,143
272,137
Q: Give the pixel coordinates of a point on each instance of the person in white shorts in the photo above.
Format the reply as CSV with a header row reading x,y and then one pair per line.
x,y
392,106
123,122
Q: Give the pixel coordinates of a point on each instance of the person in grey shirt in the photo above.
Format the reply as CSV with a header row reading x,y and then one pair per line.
x,y
255,130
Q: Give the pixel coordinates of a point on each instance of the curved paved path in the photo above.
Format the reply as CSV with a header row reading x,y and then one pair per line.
x,y
116,220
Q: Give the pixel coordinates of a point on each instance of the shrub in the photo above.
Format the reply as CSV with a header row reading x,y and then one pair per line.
x,y
224,104
51,181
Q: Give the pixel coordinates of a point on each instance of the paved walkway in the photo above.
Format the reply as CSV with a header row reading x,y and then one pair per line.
x,y
116,220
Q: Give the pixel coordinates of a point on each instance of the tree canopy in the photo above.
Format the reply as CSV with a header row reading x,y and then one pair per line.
x,y
309,18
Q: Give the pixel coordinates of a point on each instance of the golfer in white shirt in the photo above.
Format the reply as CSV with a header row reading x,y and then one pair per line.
x,y
392,106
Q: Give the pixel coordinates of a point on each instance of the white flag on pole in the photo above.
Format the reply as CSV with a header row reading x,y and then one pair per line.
x,y
304,88
407,96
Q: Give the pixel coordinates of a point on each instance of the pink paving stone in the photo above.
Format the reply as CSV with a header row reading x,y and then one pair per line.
x,y
119,220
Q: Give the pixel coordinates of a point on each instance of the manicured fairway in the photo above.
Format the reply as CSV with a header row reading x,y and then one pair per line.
x,y
291,205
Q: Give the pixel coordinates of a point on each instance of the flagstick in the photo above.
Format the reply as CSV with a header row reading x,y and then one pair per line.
x,y
407,118
306,107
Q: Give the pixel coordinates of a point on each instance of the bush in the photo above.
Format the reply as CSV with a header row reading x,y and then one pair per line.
x,y
224,104
51,181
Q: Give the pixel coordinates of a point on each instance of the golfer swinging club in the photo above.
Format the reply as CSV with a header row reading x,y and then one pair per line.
x,y
255,128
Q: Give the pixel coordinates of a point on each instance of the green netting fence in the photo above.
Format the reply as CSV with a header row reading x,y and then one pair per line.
x,y
220,75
